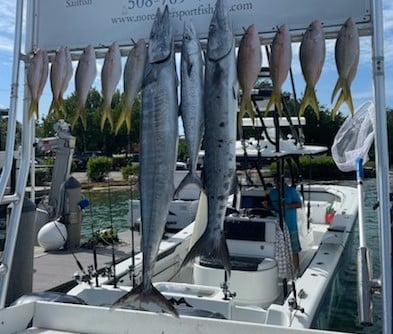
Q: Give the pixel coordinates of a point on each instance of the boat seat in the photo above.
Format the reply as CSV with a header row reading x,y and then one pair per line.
x,y
251,237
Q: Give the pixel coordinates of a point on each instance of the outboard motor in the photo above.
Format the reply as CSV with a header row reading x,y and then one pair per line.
x,y
22,264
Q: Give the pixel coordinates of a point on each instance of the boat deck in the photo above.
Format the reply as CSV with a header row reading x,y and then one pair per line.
x,y
54,270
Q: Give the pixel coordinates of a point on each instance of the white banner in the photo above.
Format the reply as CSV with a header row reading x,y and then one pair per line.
x,y
77,23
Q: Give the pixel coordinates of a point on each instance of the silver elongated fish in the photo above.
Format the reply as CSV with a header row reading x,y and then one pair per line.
x,y
347,61
159,134
312,58
280,64
191,107
133,79
110,77
60,75
85,74
220,134
249,62
37,76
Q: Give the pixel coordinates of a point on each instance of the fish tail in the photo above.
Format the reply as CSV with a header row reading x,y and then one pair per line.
x,y
345,96
309,99
275,99
106,115
52,107
80,113
33,109
146,295
191,177
123,117
61,112
246,107
204,246
336,88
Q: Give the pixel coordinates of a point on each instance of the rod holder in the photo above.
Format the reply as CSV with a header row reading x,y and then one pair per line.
x,y
365,287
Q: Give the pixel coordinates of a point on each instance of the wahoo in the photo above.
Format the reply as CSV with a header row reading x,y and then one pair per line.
x,y
191,107
220,134
159,135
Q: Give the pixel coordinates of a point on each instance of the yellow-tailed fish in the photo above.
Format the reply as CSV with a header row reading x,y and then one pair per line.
x,y
312,58
60,75
249,62
347,60
85,74
37,75
67,78
133,79
280,63
110,77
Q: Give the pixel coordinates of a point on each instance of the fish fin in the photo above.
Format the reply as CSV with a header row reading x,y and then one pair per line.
x,y
189,67
191,177
309,98
146,295
246,107
275,99
336,88
345,96
61,112
205,246
123,117
52,107
33,109
106,115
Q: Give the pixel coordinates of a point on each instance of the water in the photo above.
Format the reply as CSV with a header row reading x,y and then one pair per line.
x,y
106,208
340,309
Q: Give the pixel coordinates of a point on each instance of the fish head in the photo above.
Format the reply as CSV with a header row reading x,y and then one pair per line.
x,y
161,37
190,38
220,38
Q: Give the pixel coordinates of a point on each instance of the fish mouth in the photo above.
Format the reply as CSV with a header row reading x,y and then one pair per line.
x,y
220,39
161,37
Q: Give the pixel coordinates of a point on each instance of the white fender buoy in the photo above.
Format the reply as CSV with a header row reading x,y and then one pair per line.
x,y
52,236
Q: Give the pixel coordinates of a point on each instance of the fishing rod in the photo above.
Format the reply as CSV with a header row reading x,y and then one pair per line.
x,y
132,228
94,241
111,226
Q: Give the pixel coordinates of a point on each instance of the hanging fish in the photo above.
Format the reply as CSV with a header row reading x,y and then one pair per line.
x,y
159,135
133,79
85,75
312,58
219,165
249,62
192,99
347,60
280,63
110,77
60,75
37,75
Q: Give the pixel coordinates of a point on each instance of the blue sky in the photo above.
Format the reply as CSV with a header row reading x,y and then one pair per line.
x,y
361,87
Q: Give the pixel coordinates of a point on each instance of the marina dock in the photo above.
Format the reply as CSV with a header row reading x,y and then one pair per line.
x,y
55,270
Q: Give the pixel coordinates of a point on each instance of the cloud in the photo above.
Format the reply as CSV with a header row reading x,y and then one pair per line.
x,y
7,24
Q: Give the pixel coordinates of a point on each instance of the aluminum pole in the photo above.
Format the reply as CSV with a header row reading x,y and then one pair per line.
x,y
382,163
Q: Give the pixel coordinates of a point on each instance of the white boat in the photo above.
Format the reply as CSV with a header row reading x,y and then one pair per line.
x,y
255,299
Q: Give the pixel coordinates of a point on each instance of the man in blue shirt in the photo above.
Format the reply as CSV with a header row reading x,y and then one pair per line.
x,y
292,202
